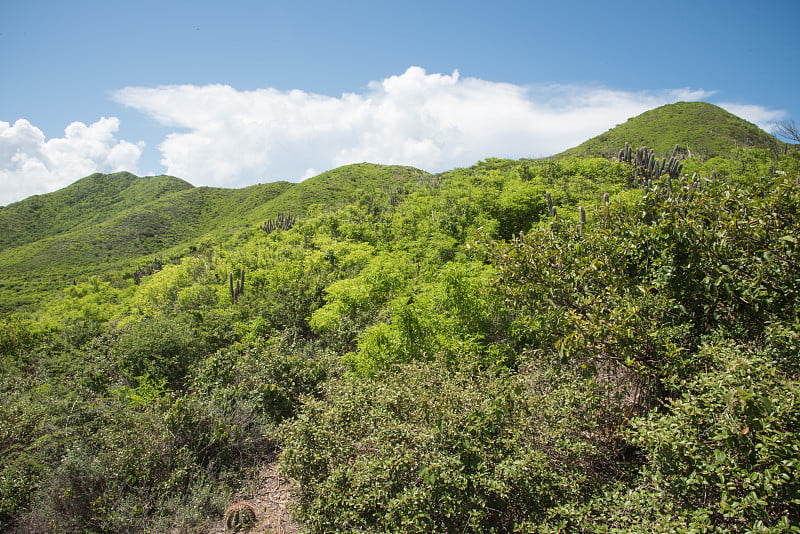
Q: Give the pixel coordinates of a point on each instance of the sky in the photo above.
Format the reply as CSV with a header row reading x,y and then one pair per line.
x,y
235,93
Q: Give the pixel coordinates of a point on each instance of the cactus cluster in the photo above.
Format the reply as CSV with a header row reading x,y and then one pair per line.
x,y
625,154
236,289
146,270
240,517
283,221
551,210
648,166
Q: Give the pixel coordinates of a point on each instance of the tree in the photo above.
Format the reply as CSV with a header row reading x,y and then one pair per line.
x,y
788,130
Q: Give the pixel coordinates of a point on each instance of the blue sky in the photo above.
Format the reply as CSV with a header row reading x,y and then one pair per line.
x,y
235,93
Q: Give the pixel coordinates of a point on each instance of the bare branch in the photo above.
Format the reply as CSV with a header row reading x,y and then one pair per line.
x,y
788,130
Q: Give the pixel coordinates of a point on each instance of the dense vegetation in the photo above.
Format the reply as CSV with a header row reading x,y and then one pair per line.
x,y
532,346
699,130
108,225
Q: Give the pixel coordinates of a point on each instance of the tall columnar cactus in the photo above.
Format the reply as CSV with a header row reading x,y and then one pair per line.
x,y
674,168
625,153
283,221
582,225
551,210
649,168
240,517
236,288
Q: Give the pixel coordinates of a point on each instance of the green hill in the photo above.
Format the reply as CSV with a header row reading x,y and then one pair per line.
x,y
111,223
105,223
87,202
699,129
337,186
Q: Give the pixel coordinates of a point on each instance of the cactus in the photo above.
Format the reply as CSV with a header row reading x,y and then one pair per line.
x,y
153,267
625,153
554,226
674,168
582,226
606,198
236,289
283,221
240,517
648,167
550,207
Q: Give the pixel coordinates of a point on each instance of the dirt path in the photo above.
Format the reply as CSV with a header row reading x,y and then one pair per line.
x,y
269,494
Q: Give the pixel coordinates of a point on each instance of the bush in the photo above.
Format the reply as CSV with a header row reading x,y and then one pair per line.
x,y
161,347
266,378
421,449
730,445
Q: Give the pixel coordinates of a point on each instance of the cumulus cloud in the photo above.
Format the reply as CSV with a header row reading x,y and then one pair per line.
x,y
760,116
434,121
30,164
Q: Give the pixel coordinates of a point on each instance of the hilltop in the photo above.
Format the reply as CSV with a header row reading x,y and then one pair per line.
x,y
89,201
699,129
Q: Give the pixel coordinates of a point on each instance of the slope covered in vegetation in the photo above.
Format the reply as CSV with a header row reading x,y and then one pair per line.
x,y
698,129
86,202
110,224
531,346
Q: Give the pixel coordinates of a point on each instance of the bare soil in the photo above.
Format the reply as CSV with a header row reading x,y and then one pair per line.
x,y
270,494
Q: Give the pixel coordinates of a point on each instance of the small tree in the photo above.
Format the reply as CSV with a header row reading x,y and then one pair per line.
x,y
788,130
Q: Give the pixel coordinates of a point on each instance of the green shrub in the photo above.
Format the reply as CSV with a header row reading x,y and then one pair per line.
x,y
730,445
420,449
267,378
161,347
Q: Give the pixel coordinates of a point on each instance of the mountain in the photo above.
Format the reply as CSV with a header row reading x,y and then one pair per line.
x,y
88,201
698,128
111,222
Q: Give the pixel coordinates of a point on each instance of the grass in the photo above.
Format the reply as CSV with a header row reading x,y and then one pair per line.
x,y
702,129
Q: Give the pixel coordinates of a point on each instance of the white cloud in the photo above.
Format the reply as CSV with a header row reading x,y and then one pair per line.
x,y
31,165
432,121
762,117
226,137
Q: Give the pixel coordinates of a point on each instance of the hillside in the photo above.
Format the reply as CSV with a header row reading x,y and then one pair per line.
x,y
109,223
338,186
89,201
517,346
699,129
